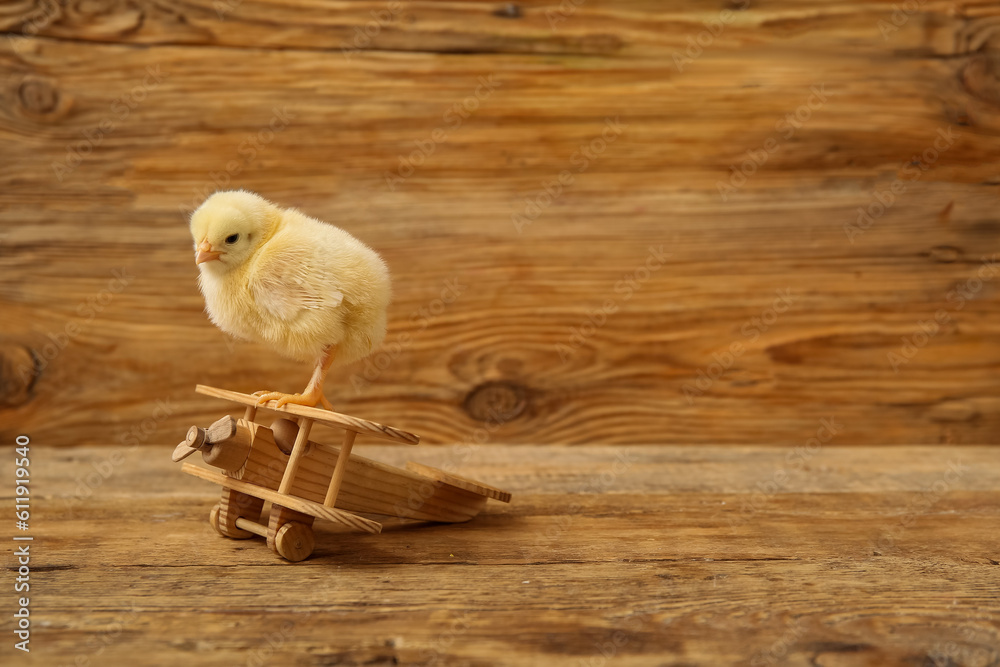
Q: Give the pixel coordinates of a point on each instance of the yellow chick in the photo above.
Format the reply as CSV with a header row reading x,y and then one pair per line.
x,y
309,290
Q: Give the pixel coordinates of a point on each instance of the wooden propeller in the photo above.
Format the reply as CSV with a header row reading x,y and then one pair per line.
x,y
205,438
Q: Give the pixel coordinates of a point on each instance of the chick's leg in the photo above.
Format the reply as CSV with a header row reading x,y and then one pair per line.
x,y
313,393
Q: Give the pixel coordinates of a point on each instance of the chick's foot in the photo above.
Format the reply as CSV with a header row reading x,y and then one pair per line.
x,y
310,398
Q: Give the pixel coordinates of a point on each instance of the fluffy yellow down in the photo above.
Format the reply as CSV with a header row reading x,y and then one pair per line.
x,y
289,281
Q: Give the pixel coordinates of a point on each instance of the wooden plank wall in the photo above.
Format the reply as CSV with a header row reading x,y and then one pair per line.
x,y
555,187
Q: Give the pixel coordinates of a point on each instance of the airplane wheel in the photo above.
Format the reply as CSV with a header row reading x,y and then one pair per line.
x,y
213,519
234,504
294,541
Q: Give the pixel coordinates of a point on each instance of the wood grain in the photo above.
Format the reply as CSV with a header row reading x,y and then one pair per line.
x,y
297,504
554,331
624,28
641,548
336,419
369,487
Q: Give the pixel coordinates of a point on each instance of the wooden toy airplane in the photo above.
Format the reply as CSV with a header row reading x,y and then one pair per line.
x,y
305,480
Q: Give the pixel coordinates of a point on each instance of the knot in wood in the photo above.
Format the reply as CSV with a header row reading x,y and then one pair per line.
x,y
953,411
496,401
981,77
977,35
945,254
510,10
18,372
38,96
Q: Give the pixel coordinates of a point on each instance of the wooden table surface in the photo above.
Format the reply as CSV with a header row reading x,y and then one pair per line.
x,y
680,555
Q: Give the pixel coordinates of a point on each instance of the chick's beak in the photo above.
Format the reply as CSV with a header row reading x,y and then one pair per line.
x,y
205,253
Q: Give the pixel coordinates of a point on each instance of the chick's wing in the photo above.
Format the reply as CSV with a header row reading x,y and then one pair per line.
x,y
288,281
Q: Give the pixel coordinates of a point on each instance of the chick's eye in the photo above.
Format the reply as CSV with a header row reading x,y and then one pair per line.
x,y
232,238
